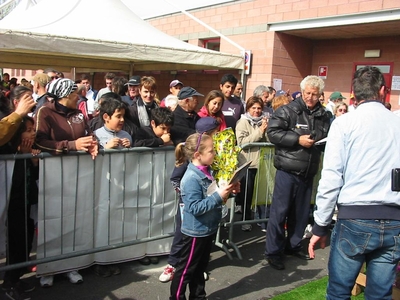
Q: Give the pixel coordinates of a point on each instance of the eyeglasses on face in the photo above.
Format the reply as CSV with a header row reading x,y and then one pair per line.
x,y
54,77
342,110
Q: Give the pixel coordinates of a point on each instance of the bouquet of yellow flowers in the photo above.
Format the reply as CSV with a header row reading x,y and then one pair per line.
x,y
226,156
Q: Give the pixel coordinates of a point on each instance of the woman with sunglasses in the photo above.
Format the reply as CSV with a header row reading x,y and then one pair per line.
x,y
340,109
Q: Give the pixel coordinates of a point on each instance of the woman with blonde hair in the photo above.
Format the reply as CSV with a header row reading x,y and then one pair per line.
x,y
340,109
279,101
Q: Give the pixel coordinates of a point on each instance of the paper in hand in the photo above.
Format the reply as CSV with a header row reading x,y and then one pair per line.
x,y
240,172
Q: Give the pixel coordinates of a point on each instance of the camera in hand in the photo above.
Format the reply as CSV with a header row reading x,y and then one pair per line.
x,y
313,135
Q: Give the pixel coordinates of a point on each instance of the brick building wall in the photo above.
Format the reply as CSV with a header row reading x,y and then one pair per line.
x,y
283,56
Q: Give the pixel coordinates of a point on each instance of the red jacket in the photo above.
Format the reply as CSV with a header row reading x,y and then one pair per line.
x,y
56,131
221,119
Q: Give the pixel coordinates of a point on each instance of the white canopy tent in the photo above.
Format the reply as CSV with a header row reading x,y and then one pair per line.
x,y
97,36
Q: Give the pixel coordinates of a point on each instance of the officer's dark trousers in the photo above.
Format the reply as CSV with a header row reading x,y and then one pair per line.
x,y
290,204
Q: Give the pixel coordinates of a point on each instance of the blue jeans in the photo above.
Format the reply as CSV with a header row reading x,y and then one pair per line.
x,y
353,242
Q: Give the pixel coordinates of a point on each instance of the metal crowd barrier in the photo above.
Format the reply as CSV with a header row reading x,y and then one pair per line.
x,y
116,208
262,195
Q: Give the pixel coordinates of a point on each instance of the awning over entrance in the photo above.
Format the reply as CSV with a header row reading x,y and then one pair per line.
x,y
380,23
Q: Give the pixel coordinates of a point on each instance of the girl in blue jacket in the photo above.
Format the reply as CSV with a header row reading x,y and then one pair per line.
x,y
202,201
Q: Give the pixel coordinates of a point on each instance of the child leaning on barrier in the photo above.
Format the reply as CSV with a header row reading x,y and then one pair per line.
x,y
158,132
111,135
201,216
23,194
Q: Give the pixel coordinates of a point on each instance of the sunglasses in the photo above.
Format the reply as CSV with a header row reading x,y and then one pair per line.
x,y
54,77
342,110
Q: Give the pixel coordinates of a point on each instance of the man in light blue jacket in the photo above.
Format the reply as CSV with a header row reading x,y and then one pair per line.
x,y
362,150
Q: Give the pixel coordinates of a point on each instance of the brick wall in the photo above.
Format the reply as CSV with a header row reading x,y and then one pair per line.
x,y
282,56
341,55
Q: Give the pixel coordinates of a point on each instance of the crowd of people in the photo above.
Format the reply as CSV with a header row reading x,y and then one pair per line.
x,y
58,115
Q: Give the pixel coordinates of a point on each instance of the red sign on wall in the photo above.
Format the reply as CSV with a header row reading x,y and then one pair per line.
x,y
323,71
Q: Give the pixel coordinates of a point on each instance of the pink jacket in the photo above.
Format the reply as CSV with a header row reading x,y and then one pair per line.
x,y
204,113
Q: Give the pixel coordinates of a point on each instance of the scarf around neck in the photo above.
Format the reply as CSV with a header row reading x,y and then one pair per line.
x,y
142,112
253,120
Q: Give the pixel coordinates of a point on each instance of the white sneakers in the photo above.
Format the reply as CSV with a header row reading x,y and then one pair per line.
x,y
167,274
46,281
73,276
246,227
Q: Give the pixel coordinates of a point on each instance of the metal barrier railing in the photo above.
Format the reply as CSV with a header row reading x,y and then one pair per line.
x,y
120,203
122,199
262,195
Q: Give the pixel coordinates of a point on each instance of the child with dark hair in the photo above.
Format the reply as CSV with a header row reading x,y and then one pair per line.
x,y
23,194
158,133
111,135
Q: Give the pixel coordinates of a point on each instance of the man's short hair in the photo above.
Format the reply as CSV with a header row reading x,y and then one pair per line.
x,y
109,75
48,70
367,83
260,90
270,89
162,115
313,81
80,89
110,104
118,85
229,78
85,77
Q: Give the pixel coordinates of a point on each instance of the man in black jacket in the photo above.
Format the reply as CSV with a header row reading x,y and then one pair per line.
x,y
185,116
294,128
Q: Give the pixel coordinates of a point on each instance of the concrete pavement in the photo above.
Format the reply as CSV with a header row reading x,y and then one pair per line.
x,y
247,279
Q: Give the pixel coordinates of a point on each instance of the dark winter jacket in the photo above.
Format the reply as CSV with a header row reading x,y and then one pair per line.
x,y
146,138
57,129
285,127
184,125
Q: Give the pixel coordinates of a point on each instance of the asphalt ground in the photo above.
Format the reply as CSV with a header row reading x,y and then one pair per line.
x,y
248,279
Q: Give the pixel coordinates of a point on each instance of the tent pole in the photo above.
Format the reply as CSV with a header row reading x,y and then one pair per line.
x,y
208,27
131,69
242,50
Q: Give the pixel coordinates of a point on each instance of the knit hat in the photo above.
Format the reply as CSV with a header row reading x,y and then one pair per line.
x,y
61,88
206,124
